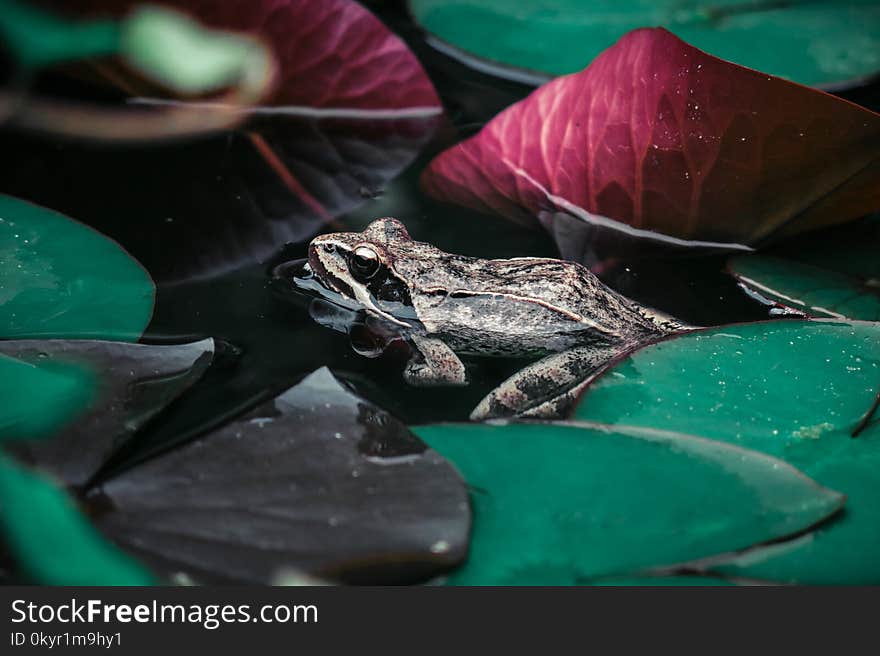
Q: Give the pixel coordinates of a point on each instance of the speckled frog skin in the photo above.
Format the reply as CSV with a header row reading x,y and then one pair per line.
x,y
446,305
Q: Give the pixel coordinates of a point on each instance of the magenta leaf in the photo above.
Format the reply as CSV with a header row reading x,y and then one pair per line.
x,y
656,138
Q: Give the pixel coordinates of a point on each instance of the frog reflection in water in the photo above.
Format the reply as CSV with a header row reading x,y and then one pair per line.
x,y
445,305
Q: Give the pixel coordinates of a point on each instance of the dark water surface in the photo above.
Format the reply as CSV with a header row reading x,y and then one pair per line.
x,y
267,341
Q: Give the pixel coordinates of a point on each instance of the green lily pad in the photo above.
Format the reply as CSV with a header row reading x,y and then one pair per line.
x,y
815,291
50,541
796,390
568,504
38,398
819,43
59,278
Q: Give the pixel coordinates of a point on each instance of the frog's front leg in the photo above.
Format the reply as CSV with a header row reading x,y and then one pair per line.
x,y
546,388
434,363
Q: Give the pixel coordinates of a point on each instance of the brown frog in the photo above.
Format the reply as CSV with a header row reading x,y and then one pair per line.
x,y
445,304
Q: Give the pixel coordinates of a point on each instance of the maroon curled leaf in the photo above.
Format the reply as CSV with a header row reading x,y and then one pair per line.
x,y
663,138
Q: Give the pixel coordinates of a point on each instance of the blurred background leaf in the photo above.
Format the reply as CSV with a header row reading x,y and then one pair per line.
x,y
50,542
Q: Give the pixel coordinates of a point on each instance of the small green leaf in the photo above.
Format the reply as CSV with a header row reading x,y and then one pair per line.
x,y
37,400
177,51
793,389
568,504
815,291
822,42
59,278
51,542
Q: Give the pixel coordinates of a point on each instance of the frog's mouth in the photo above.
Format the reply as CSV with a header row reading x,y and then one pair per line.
x,y
326,279
295,280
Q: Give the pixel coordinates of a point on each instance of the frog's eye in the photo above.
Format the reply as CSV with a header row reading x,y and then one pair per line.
x,y
363,263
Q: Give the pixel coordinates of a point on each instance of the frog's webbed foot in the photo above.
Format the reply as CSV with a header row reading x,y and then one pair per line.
x,y
546,388
434,363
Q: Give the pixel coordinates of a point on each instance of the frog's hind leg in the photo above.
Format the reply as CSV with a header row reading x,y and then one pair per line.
x,y
546,388
434,363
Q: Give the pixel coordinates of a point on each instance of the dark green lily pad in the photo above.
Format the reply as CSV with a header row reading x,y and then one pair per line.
x,y
316,481
59,278
796,390
835,273
814,291
50,542
818,43
92,395
569,504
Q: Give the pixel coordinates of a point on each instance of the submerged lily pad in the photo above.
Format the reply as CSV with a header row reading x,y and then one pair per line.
x,y
569,504
59,278
822,42
815,291
116,388
796,390
318,481
50,542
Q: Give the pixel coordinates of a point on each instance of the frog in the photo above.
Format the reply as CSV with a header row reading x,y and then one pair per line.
x,y
445,306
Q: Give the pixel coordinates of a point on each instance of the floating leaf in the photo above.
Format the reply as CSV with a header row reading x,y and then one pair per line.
x,y
59,278
822,42
50,541
796,390
667,141
317,480
557,503
116,388
815,291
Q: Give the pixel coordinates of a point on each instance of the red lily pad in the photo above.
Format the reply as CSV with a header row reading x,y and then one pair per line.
x,y
666,140
351,108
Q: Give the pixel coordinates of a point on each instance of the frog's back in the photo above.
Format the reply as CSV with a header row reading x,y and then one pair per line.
x,y
573,289
532,303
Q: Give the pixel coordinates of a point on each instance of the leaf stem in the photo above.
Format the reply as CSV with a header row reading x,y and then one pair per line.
x,y
718,13
866,418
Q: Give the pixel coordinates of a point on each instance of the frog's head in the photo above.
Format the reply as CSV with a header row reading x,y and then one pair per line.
x,y
359,265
